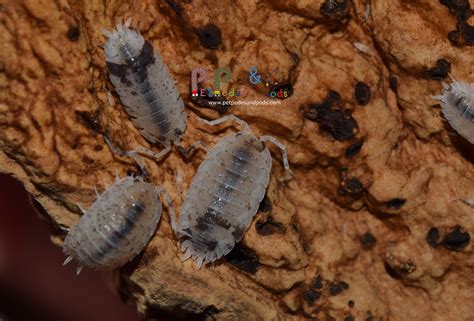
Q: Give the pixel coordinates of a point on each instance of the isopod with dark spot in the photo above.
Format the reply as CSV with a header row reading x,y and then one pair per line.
x,y
117,226
146,89
225,194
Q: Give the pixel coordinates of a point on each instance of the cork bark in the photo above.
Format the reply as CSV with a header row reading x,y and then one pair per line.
x,y
372,226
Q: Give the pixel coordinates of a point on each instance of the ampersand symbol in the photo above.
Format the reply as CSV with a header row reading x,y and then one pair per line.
x,y
255,78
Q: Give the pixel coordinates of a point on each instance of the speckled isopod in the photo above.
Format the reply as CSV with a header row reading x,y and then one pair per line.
x,y
457,104
225,194
117,226
147,91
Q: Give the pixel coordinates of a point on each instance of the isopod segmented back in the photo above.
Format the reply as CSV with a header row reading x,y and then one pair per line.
x,y
457,104
116,227
224,195
143,82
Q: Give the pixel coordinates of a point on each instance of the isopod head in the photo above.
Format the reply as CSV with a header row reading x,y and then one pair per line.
x,y
123,44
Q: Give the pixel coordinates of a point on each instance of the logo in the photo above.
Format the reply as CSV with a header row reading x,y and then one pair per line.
x,y
223,75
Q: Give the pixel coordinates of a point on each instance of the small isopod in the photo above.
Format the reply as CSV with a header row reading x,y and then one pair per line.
x,y
117,226
146,89
225,194
457,104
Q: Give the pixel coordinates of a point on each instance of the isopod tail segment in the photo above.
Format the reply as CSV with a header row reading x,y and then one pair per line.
x,y
246,129
68,260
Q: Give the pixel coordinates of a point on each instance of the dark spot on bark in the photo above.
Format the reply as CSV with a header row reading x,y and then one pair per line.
x,y
265,205
395,202
464,33
440,71
351,303
351,187
467,32
282,90
311,296
175,6
242,258
317,282
369,318
210,36
317,112
295,58
209,312
336,288
456,240
432,237
89,120
393,83
73,33
362,93
391,271
353,149
340,125
98,147
460,8
453,36
269,227
349,318
36,125
368,240
335,9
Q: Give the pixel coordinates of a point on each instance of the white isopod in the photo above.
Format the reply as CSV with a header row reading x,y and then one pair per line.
x,y
117,226
147,91
225,194
457,104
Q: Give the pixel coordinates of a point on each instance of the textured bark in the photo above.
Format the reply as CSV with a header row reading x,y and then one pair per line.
x,y
353,234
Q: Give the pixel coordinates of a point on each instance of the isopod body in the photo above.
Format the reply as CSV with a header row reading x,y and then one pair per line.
x,y
224,195
457,104
145,87
116,227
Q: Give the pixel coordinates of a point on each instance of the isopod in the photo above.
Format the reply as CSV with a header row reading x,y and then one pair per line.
x,y
146,89
225,193
117,226
457,104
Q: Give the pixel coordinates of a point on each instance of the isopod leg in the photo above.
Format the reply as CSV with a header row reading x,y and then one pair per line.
x,y
169,202
245,126
135,153
281,146
80,207
68,259
149,152
78,269
178,177
186,152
